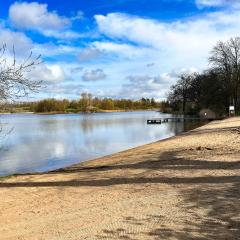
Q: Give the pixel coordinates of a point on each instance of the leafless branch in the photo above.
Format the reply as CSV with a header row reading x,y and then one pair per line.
x,y
14,80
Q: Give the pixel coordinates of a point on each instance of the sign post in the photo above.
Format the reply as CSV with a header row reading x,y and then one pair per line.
x,y
231,111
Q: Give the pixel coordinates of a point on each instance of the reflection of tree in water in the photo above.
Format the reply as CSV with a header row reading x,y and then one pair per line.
x,y
183,126
175,127
5,131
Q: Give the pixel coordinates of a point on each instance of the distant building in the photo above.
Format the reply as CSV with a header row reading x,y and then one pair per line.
x,y
207,114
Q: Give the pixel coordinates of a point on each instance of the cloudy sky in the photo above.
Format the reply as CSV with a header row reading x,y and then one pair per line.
x,y
117,48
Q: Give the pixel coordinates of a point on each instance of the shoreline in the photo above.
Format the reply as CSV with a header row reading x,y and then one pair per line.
x,y
99,158
113,154
183,187
100,111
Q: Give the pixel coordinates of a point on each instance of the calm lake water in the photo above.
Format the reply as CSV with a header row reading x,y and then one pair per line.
x,y
39,143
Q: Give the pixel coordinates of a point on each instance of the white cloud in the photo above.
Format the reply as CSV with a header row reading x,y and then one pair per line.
x,y
122,49
78,16
23,44
209,3
217,3
147,86
68,34
35,16
94,75
60,80
55,50
88,54
64,90
49,74
177,44
150,64
57,73
76,69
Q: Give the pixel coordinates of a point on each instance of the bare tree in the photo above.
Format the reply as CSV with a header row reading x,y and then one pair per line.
x,y
225,60
14,78
182,90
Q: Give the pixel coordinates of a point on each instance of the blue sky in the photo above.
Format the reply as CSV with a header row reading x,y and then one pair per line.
x,y
118,48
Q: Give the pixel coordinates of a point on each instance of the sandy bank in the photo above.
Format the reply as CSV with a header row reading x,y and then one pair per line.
x,y
186,187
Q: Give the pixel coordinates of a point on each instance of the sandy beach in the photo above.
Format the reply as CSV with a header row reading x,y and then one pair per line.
x,y
186,187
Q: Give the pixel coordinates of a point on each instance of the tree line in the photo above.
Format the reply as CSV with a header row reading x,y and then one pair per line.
x,y
216,88
86,103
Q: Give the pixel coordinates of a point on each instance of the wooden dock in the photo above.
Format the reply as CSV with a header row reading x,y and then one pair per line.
x,y
172,119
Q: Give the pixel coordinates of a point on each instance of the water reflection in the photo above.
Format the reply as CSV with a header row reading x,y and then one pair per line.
x,y
47,142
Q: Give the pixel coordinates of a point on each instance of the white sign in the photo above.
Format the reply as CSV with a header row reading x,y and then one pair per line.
x,y
231,108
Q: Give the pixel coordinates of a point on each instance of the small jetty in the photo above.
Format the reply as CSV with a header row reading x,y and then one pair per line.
x,y
172,119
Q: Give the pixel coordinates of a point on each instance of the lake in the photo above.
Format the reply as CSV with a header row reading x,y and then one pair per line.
x,y
37,143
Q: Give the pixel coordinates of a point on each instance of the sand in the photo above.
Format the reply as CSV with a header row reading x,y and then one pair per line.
x,y
185,187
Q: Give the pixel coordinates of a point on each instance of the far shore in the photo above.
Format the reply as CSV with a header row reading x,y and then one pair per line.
x,y
184,187
99,111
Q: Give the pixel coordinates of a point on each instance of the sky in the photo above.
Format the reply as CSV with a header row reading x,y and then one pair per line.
x,y
118,48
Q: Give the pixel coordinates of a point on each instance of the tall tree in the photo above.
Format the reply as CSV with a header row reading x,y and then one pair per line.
x,y
225,60
182,90
211,92
85,101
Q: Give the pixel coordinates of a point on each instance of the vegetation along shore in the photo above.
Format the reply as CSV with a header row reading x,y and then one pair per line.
x,y
86,103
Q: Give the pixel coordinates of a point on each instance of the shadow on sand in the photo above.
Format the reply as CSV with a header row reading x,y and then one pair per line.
x,y
220,195
222,221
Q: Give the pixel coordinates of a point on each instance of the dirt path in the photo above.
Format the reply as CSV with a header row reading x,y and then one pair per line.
x,y
186,187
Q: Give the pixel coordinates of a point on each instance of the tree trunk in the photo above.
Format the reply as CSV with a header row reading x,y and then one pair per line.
x,y
184,106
